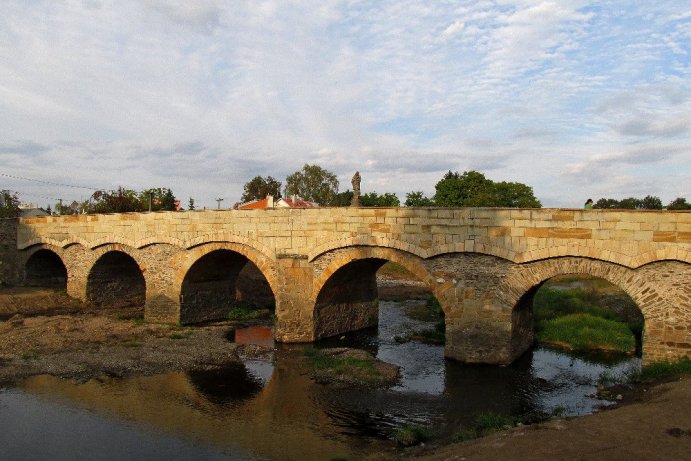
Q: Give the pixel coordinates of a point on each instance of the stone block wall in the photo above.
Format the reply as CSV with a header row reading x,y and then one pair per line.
x,y
8,251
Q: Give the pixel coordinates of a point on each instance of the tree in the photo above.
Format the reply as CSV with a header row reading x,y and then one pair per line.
x,y
258,188
650,203
472,189
516,195
313,183
9,204
190,204
606,204
118,201
161,199
343,198
372,199
679,203
630,203
417,199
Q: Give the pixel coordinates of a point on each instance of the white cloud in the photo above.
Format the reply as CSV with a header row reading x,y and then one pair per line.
x,y
203,96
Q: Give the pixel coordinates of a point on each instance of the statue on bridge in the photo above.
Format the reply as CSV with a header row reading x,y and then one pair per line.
x,y
356,190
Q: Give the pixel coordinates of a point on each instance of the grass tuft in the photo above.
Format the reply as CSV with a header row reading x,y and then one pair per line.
x,y
410,435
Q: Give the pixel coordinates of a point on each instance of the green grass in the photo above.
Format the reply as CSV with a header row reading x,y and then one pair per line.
x,y
338,363
180,334
484,424
242,312
658,371
549,304
410,435
573,318
584,332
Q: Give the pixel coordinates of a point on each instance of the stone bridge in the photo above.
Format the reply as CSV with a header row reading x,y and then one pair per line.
x,y
318,266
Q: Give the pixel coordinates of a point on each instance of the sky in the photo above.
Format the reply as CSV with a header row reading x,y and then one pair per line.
x,y
575,98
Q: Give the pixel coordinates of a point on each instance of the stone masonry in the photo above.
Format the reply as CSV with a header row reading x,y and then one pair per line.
x,y
481,264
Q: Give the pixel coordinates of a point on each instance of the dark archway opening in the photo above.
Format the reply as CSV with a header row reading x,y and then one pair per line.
x,y
116,281
349,300
45,269
224,284
573,310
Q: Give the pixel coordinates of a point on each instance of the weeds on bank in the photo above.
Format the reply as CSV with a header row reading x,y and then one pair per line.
x,y
486,423
29,355
242,312
586,332
180,334
663,370
132,343
410,435
339,363
550,304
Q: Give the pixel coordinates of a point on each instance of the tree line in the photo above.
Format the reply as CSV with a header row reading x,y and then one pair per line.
x,y
315,184
648,202
469,189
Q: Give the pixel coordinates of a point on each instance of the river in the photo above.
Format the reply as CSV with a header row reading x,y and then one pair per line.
x,y
269,408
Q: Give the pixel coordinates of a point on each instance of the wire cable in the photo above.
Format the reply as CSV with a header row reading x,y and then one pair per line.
x,y
47,182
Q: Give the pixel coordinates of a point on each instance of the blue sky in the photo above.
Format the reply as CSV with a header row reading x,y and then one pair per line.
x,y
577,99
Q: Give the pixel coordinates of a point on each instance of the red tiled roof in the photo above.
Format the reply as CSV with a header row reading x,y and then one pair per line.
x,y
257,204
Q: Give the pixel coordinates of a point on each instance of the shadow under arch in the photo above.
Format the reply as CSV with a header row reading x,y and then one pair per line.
x,y
346,292
116,280
45,268
219,280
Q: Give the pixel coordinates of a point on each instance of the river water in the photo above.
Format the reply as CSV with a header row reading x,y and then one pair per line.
x,y
269,408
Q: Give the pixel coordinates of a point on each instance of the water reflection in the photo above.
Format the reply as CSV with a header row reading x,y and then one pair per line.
x,y
268,408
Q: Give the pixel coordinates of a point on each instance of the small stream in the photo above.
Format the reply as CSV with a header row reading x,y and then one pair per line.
x,y
269,409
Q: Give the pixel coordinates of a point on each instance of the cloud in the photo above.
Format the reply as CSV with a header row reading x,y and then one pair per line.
x,y
203,96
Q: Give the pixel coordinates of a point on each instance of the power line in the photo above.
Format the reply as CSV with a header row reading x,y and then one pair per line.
x,y
47,182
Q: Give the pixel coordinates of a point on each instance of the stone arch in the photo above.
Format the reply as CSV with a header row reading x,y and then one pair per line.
x,y
661,290
212,277
116,278
45,267
344,290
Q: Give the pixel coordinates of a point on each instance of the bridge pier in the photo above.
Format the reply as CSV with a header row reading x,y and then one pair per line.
x,y
294,300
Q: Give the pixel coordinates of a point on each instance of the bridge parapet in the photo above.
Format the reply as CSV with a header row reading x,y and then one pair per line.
x,y
628,238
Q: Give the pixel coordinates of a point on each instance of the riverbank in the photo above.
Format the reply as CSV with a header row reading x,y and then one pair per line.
x,y
116,343
655,427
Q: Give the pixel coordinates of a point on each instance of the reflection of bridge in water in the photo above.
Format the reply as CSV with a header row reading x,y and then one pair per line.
x,y
319,266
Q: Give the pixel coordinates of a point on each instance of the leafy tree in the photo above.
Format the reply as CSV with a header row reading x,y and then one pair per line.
x,y
118,201
373,199
469,189
190,204
162,199
650,203
606,204
473,189
630,203
417,199
343,198
679,203
313,183
516,195
9,204
258,188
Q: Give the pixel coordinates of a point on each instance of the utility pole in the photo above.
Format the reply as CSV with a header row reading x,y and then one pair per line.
x,y
151,194
219,200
